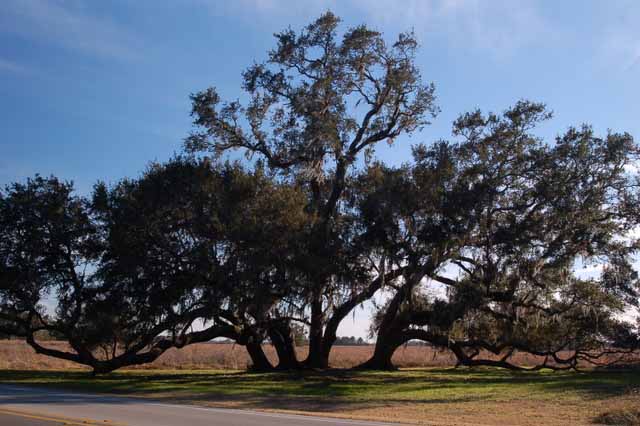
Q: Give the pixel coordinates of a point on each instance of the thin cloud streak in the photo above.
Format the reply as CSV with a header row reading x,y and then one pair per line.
x,y
13,67
498,27
620,41
68,26
621,48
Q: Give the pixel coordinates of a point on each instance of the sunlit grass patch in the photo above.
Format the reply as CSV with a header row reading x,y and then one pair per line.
x,y
406,385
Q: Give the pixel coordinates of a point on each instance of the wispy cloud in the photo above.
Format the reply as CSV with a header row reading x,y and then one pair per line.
x,y
619,47
67,24
498,26
257,11
501,25
12,67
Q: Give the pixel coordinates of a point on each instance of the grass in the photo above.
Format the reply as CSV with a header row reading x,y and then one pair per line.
x,y
423,396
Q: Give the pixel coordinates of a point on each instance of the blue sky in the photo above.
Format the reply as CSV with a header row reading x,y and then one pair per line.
x,y
96,89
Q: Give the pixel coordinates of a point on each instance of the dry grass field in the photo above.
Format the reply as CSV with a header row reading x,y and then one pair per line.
x,y
16,355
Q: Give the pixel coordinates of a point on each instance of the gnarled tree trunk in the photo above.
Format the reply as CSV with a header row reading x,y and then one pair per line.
x,y
282,339
259,361
385,348
315,358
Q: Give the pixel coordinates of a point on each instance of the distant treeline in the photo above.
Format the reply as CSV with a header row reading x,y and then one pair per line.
x,y
340,341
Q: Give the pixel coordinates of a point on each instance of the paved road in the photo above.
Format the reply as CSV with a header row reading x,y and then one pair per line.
x,y
19,420
45,404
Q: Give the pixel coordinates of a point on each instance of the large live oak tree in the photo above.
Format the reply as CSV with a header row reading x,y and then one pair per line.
x,y
319,104
187,253
516,217
223,237
51,246
475,242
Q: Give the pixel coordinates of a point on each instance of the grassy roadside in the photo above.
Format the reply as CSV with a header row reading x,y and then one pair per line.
x,y
420,396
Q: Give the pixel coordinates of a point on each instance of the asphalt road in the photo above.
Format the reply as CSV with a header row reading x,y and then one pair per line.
x,y
26,406
19,420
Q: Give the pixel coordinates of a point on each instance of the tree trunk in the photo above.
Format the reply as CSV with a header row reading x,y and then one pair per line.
x,y
341,312
282,340
329,338
259,361
315,359
390,335
386,345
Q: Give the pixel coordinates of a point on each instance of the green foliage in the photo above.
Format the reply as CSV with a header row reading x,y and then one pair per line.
x,y
515,217
135,267
318,105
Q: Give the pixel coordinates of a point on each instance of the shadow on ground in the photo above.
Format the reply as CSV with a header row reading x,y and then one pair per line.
x,y
333,390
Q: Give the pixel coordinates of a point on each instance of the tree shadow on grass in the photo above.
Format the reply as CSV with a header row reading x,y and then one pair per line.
x,y
336,390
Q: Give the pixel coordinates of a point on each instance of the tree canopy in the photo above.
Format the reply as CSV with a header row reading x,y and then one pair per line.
x,y
501,224
131,270
318,104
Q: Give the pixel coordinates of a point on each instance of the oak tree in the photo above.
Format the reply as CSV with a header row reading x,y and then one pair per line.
x,y
320,104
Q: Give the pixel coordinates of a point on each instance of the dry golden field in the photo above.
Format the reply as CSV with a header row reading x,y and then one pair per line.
x,y
17,355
